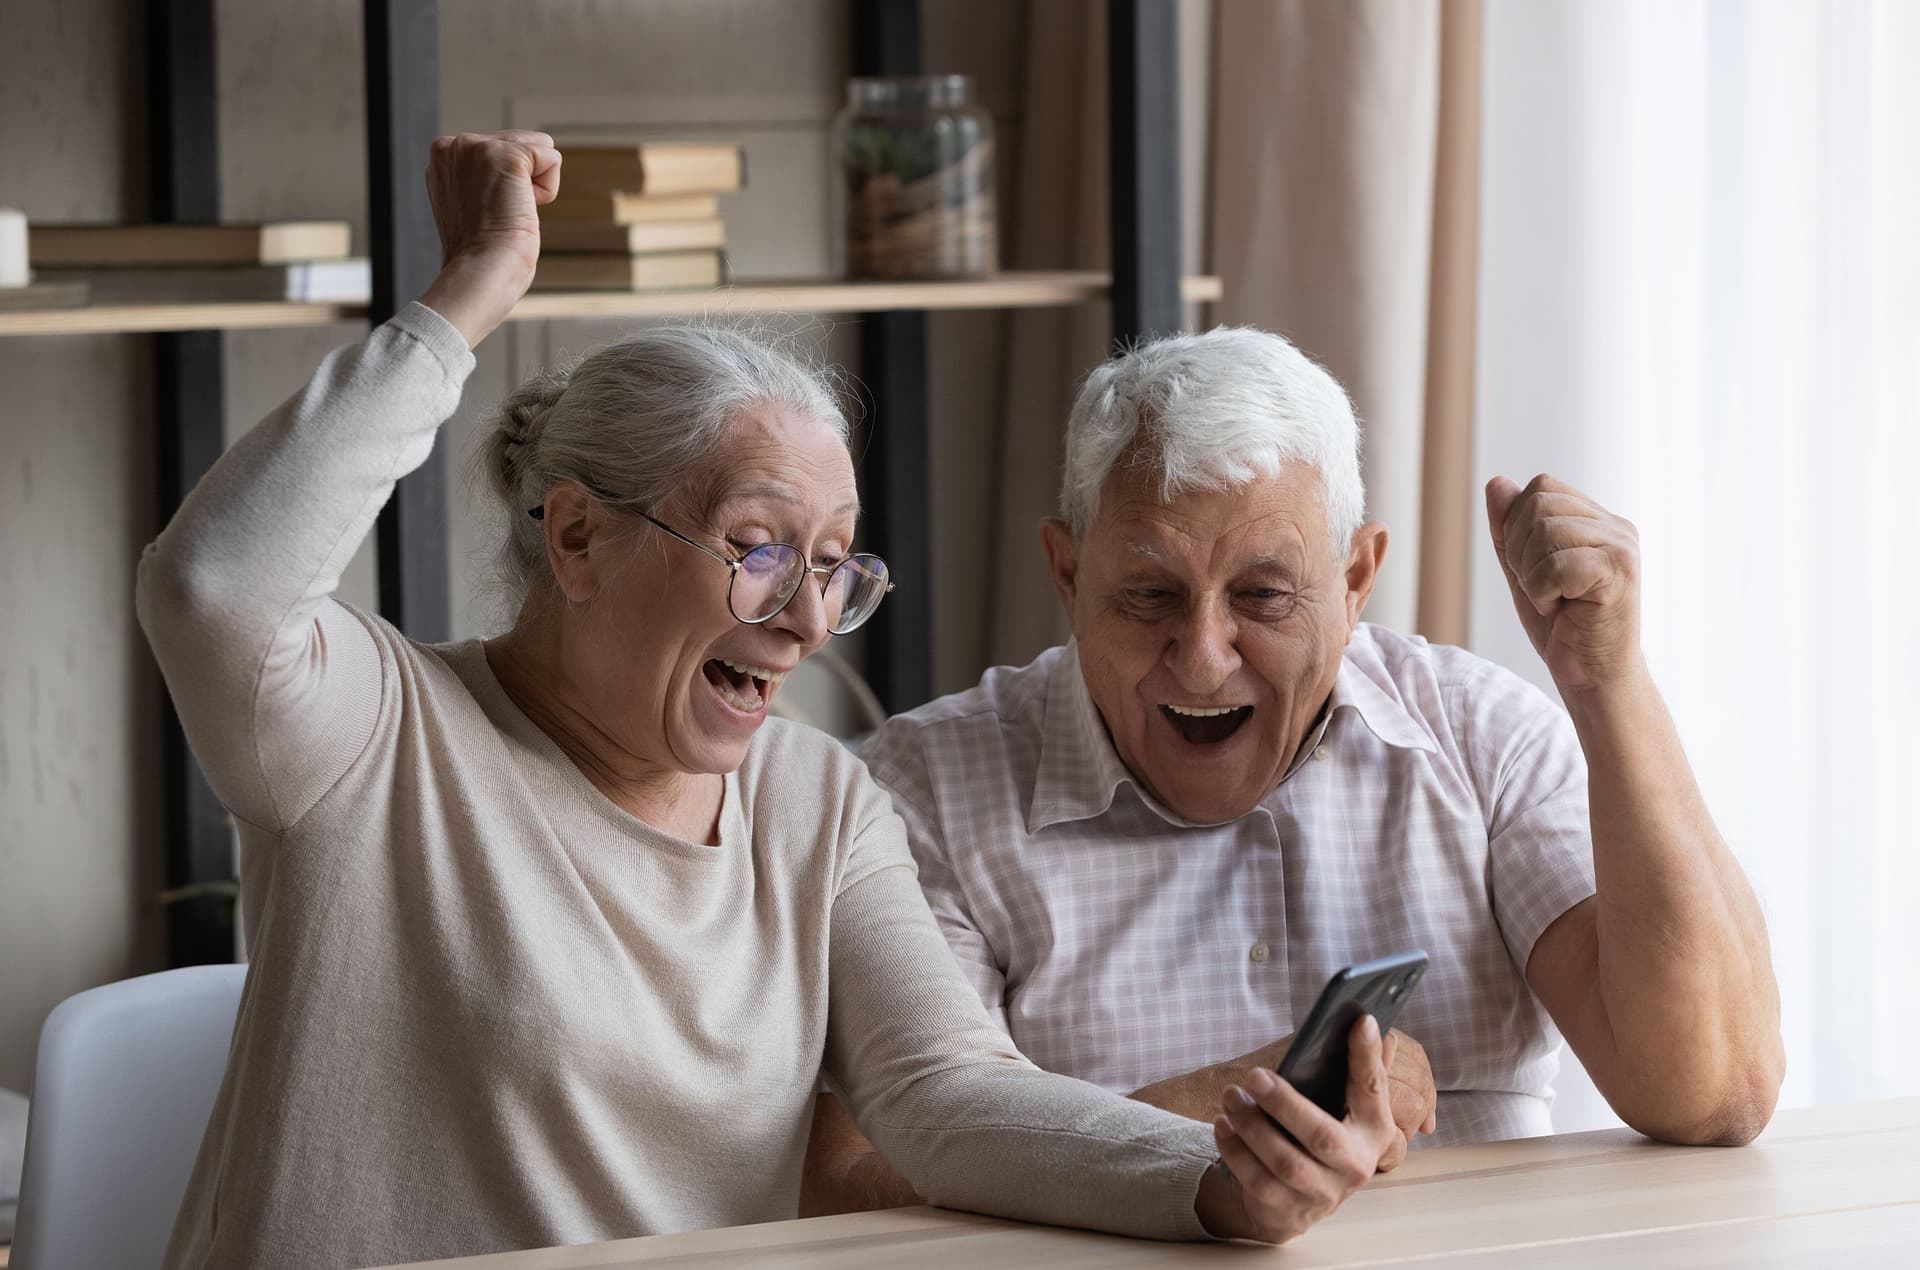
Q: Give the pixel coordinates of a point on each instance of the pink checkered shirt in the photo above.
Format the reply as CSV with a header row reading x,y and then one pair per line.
x,y
1441,804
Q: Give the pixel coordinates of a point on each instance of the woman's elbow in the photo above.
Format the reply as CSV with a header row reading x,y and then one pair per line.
x,y
169,592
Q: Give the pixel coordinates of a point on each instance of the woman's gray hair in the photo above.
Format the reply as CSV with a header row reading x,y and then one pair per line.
x,y
1214,411
633,420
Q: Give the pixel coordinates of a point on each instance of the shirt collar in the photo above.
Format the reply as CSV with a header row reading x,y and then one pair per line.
x,y
1080,772
1379,707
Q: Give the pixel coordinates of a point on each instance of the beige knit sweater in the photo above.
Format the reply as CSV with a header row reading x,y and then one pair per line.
x,y
487,1008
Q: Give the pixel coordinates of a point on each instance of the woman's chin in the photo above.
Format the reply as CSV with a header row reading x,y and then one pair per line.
x,y
719,730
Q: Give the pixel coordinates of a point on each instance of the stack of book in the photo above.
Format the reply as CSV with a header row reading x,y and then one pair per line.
x,y
637,217
302,261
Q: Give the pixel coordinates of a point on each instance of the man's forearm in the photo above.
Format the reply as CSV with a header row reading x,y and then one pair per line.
x,y
861,1183
1685,979
1196,1094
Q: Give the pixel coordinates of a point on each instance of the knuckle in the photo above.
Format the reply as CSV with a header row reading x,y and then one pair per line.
x,y
1297,1172
1267,1193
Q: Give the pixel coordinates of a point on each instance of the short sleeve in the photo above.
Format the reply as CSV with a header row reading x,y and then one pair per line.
x,y
1526,763
897,758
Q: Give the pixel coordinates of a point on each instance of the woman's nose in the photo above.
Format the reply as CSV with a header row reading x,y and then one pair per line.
x,y
805,615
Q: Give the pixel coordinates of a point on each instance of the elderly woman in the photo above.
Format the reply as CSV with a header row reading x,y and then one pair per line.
x,y
554,934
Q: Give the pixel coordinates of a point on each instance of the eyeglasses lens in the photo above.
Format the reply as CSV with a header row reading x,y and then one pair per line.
x,y
854,591
767,578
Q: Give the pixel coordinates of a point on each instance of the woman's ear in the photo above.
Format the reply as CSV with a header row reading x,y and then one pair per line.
x,y
576,527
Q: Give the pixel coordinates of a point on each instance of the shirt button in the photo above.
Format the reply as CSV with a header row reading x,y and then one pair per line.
x,y
1258,952
1321,752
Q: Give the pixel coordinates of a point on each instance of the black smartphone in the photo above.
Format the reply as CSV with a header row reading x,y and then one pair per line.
x,y
1316,1062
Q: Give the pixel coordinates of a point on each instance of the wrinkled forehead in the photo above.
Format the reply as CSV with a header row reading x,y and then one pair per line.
x,y
781,461
1279,519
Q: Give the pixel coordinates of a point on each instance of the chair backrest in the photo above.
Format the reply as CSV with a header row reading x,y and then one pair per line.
x,y
123,1084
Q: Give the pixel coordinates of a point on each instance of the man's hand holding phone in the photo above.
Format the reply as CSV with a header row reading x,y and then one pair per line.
x,y
1271,1189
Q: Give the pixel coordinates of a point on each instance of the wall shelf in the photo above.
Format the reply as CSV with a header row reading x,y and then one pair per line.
x,y
132,319
1006,291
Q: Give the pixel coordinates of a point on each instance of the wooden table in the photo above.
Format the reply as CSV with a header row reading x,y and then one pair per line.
x,y
1824,1186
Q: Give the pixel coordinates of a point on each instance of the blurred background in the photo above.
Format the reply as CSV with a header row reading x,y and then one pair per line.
x,y
1663,249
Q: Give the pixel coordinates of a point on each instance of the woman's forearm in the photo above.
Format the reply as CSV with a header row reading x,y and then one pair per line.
x,y
968,1121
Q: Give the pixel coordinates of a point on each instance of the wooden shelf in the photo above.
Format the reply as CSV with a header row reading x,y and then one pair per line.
x,y
1006,291
127,319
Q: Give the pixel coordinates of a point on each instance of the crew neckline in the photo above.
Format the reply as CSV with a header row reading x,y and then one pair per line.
x,y
469,659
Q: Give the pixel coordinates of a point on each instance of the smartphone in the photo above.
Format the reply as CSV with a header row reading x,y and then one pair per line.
x,y
1316,1062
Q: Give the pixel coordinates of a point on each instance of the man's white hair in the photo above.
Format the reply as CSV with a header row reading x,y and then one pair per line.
x,y
1214,411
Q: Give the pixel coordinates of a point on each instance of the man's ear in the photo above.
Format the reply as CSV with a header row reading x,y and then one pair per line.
x,y
1063,559
1369,549
576,528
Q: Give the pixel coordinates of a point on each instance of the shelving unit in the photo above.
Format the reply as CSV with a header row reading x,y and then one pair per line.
x,y
402,84
142,319
1005,291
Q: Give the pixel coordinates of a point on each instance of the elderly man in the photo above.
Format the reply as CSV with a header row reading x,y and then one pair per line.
x,y
1150,848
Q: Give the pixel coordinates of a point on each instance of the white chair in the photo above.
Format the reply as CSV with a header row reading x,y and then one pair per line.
x,y
122,1087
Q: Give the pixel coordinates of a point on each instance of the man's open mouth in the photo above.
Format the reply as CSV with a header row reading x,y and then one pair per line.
x,y
1207,725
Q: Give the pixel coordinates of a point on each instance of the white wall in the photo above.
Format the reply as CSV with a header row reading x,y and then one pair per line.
x,y
79,735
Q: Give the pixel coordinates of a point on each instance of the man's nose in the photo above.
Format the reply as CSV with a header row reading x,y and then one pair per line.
x,y
1203,655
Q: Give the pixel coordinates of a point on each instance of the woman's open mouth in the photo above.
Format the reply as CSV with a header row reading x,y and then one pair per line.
x,y
1206,725
743,686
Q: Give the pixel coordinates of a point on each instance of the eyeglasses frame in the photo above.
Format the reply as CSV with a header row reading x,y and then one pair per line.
x,y
734,566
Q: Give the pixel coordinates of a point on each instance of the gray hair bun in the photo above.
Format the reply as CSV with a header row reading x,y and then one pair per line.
x,y
518,428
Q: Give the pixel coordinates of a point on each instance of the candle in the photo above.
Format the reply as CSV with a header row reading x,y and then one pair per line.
x,y
13,248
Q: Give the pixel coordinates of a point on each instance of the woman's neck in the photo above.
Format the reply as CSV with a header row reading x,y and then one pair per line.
x,y
527,663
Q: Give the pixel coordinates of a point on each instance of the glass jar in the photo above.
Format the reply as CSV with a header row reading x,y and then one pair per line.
x,y
916,187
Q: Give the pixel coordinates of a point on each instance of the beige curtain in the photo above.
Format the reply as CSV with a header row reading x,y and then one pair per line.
x,y
1341,193
1449,484
1060,222
1342,144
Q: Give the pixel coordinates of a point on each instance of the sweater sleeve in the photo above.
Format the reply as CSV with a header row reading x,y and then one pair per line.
x,y
967,1119
277,684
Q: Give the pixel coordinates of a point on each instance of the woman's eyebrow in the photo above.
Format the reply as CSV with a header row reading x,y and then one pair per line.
x,y
779,493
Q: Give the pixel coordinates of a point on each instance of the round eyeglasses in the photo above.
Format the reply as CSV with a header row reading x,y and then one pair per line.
x,y
765,579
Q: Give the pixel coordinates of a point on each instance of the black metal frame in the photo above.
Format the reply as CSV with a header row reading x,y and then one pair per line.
x,y
403,117
1143,100
184,154
895,470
